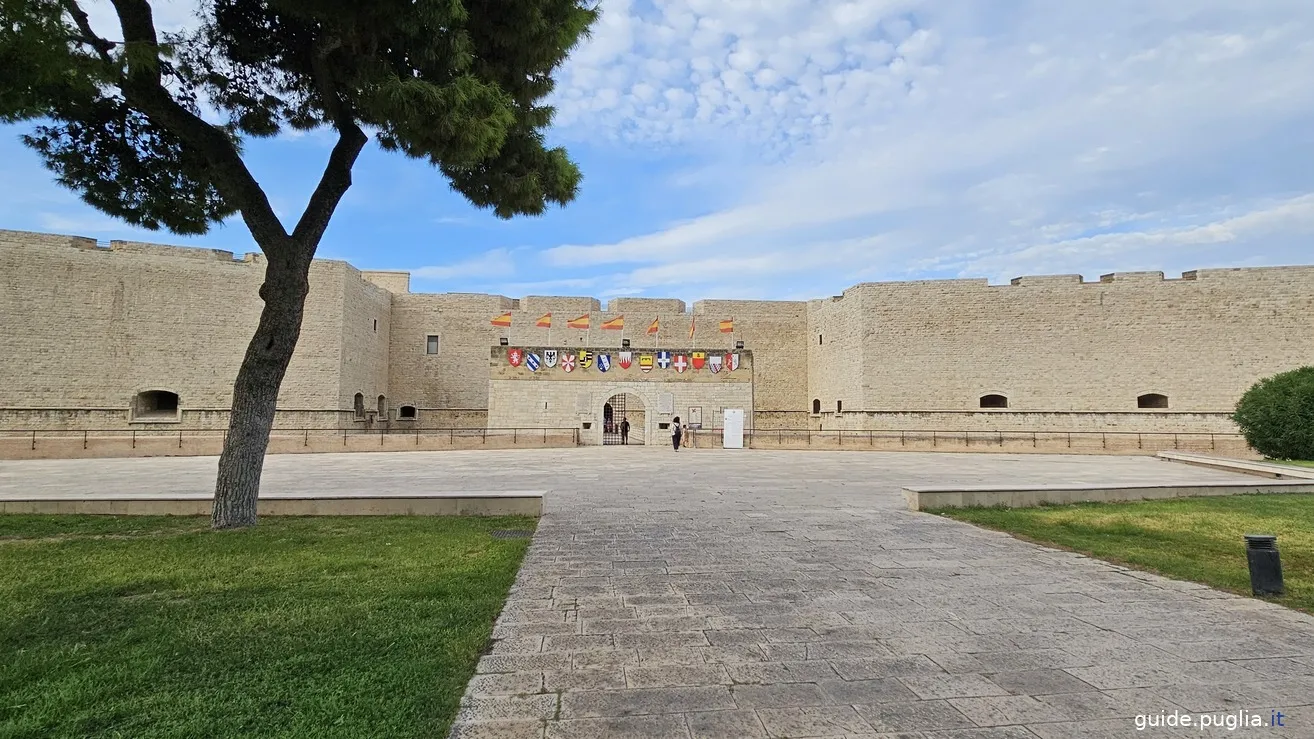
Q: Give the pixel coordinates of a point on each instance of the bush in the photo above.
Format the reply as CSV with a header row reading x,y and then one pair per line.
x,y
1276,415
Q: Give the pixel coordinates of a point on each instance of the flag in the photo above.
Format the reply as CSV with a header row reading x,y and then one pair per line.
x,y
728,326
503,320
691,326
581,322
652,327
615,324
545,321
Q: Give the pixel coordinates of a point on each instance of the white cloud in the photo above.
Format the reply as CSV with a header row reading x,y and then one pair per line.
x,y
495,263
1047,136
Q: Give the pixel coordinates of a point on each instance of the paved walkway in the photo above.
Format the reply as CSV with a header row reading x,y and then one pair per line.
x,y
787,594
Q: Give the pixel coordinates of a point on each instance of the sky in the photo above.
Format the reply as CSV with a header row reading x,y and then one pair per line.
x,y
789,149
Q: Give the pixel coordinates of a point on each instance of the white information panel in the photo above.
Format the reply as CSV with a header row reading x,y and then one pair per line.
x,y
732,432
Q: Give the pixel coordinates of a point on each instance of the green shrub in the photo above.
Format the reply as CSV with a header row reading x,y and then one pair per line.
x,y
1276,415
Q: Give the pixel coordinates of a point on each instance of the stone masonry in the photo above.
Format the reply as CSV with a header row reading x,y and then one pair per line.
x,y
88,327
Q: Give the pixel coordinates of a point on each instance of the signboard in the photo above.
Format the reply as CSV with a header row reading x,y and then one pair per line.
x,y
695,417
732,432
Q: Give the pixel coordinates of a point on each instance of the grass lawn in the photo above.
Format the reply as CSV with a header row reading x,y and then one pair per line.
x,y
1301,462
315,627
1199,539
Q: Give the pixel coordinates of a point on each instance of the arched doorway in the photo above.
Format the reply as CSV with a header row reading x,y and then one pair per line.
x,y
618,409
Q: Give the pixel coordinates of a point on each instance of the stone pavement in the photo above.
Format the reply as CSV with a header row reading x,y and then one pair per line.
x,y
787,594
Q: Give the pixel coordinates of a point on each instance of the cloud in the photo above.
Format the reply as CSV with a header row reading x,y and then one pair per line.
x,y
493,263
902,139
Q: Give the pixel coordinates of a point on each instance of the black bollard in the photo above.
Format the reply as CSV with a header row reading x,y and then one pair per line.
x,y
1265,565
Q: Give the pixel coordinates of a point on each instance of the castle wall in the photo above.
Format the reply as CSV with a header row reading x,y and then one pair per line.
x,y
1057,344
88,326
366,311
104,323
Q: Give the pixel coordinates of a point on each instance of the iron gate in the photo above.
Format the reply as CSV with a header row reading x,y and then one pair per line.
x,y
613,416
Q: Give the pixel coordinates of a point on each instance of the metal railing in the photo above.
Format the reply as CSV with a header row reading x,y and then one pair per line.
x,y
999,438
306,435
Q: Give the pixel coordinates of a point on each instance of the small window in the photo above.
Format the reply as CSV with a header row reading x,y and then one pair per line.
x,y
431,345
819,341
839,406
994,401
383,408
406,413
155,404
1152,400
359,406
816,406
376,324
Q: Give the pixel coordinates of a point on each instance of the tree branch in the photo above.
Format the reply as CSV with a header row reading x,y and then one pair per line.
x,y
89,36
335,181
144,89
333,184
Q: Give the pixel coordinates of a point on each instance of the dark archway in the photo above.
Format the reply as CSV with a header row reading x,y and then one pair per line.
x,y
1152,400
618,409
994,401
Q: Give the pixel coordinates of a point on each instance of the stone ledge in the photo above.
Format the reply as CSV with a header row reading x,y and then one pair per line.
x,y
965,496
493,503
1244,466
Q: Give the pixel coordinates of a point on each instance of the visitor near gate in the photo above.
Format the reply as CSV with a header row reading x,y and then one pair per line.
x,y
675,432
625,430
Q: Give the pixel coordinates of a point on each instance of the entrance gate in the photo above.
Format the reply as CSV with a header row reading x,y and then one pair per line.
x,y
618,408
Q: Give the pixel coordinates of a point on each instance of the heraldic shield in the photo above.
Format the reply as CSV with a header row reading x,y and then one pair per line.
x,y
604,362
645,362
585,359
625,359
699,359
714,363
533,362
568,362
664,359
514,357
550,357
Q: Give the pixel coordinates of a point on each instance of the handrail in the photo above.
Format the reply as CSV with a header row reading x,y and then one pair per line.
x,y
529,433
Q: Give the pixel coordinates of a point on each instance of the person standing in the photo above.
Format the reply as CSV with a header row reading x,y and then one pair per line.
x,y
625,430
675,432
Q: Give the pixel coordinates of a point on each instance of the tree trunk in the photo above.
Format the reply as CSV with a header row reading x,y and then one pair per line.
x,y
255,393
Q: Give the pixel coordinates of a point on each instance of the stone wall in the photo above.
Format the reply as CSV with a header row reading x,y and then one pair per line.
x,y
89,326
1059,344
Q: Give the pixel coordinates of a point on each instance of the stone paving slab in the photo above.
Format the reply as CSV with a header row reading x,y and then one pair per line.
x,y
788,594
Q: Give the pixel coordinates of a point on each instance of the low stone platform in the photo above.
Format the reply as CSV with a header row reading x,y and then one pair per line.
x,y
496,503
1013,496
1244,466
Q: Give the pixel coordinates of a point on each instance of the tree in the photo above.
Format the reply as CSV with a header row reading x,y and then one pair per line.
x,y
149,129
1276,415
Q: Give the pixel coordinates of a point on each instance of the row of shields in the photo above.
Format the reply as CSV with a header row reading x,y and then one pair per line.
x,y
647,361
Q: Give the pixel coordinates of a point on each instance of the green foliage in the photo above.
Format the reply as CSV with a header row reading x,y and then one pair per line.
x,y
457,83
327,627
1276,415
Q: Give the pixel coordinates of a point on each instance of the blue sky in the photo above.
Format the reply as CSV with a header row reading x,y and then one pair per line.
x,y
792,148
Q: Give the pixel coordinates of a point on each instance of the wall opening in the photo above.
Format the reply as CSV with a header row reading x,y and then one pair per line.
x,y
406,413
1152,400
994,401
155,405
358,405
431,345
816,406
839,406
819,341
376,324
383,408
